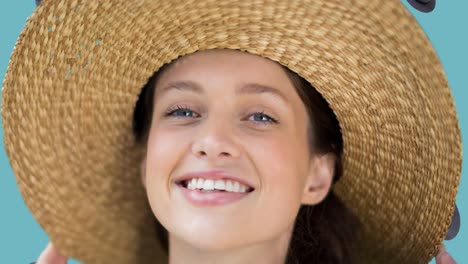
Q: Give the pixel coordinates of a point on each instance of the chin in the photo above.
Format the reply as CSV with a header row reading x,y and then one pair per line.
x,y
214,242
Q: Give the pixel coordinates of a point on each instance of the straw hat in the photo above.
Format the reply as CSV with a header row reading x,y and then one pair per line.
x,y
79,65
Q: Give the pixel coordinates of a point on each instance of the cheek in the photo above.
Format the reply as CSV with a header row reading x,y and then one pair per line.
x,y
160,154
282,174
280,164
278,200
165,148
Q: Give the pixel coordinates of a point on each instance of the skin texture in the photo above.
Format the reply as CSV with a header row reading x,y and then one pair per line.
x,y
220,132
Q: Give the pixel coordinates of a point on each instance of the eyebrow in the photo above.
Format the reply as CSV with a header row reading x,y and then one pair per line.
x,y
248,88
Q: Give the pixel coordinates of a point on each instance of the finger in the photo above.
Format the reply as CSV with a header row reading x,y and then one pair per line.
x,y
443,257
50,255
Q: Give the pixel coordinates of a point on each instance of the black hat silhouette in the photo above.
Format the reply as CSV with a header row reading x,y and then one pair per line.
x,y
425,6
454,226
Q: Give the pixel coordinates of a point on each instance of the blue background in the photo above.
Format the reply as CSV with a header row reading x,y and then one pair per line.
x,y
21,237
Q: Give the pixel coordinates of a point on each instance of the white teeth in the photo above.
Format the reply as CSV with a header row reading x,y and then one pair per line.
x,y
235,188
194,183
200,183
190,185
208,185
219,185
227,185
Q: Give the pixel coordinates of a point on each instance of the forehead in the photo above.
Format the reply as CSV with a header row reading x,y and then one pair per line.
x,y
224,56
221,67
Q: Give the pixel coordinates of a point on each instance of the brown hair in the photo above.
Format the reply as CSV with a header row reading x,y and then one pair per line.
x,y
323,233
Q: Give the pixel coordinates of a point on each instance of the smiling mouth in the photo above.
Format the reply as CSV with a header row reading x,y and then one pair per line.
x,y
184,184
211,197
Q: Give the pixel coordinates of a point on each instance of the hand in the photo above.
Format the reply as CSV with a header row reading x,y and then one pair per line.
x,y
443,257
50,255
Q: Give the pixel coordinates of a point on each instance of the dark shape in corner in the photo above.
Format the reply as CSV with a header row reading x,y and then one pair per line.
x,y
38,2
425,6
454,226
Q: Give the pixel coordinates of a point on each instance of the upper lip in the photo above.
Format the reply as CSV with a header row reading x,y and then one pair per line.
x,y
213,175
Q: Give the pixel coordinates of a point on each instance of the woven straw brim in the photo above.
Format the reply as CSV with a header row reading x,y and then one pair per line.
x,y
78,67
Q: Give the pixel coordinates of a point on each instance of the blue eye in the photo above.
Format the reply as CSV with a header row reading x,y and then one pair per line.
x,y
178,109
185,111
268,118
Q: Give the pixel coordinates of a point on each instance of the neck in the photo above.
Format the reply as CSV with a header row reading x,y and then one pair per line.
x,y
267,252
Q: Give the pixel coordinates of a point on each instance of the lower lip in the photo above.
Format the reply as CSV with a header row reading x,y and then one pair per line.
x,y
199,198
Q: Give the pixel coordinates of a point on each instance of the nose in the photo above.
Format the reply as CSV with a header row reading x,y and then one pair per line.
x,y
215,140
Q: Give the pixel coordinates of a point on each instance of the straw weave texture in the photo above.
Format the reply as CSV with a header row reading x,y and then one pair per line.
x,y
79,65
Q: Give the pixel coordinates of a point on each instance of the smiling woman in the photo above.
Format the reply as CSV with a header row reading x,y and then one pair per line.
x,y
277,131
276,155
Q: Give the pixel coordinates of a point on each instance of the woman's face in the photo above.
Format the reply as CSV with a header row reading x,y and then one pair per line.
x,y
221,128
